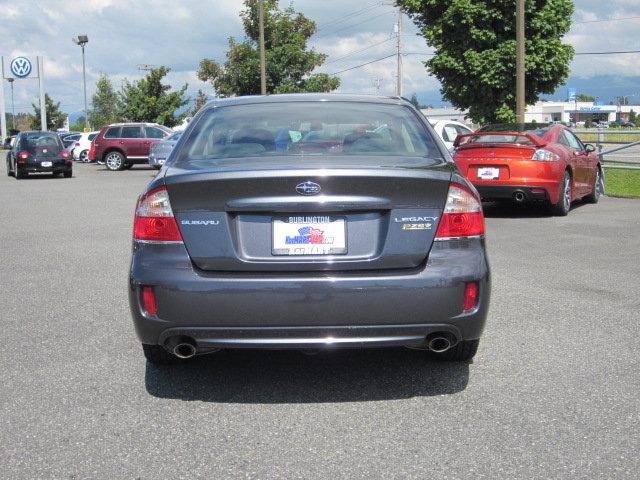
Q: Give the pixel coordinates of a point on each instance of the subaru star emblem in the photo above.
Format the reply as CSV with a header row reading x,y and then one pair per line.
x,y
20,67
308,188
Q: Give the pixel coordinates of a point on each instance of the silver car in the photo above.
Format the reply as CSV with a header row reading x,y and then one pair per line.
x,y
160,150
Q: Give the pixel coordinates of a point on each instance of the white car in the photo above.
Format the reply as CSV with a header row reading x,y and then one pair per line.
x,y
448,130
80,150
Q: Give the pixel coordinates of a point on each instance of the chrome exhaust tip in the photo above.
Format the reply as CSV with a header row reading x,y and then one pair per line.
x,y
439,344
184,350
519,197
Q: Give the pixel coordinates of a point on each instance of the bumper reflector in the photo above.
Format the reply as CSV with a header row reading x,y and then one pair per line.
x,y
470,296
149,301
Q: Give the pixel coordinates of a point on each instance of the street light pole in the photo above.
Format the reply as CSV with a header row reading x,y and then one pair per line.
x,y
520,66
82,40
263,75
399,55
13,110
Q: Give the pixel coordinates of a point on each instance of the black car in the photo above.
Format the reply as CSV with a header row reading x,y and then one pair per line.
x,y
260,234
37,152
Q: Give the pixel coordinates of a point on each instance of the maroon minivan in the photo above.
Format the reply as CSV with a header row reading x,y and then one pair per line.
x,y
122,145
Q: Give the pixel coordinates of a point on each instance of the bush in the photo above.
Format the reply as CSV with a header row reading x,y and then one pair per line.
x,y
588,123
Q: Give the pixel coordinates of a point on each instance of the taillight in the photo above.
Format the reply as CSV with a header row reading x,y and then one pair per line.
x,y
77,144
462,216
23,155
92,152
543,155
64,154
154,220
470,298
149,301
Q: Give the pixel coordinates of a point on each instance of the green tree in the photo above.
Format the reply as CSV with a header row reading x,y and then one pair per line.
x,y
104,104
415,101
201,100
289,63
633,116
55,118
475,51
149,100
583,97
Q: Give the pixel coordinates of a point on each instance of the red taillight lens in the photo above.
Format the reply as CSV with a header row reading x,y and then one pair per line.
x,y
77,144
154,220
23,155
149,301
470,296
92,152
64,154
462,216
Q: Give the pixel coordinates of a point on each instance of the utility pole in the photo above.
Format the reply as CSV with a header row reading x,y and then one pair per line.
x,y
399,54
520,66
263,75
376,83
82,40
13,110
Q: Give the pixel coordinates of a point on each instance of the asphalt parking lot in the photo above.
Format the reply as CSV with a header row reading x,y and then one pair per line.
x,y
554,391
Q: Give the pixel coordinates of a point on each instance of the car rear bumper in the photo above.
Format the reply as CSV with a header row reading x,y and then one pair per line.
x,y
56,168
522,193
309,310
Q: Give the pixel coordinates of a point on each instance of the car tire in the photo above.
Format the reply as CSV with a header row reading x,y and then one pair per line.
x,y
114,161
84,156
68,174
598,188
463,351
561,209
9,172
18,174
157,355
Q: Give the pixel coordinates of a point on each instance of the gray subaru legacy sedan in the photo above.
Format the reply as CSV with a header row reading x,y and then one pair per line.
x,y
311,221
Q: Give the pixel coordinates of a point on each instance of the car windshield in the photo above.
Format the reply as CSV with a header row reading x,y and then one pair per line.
x,y
36,142
302,129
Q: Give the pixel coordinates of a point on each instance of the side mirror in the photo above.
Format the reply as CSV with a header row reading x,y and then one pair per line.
x,y
589,148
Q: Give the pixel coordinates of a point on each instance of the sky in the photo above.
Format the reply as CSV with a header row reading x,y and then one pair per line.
x,y
124,34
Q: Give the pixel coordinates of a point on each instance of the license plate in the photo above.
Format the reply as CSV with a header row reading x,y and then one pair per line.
x,y
46,164
488,173
309,235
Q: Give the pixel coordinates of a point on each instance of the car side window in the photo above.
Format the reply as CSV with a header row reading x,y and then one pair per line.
x,y
131,132
113,132
449,133
571,140
92,136
153,132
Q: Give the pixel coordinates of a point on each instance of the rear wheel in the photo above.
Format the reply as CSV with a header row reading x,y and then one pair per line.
x,y
158,355
84,156
18,174
598,188
114,161
563,206
464,351
9,172
68,174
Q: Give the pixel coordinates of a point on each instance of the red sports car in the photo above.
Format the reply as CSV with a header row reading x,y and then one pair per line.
x,y
544,163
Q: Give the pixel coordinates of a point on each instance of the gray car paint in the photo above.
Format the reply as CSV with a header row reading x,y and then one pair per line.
x,y
222,299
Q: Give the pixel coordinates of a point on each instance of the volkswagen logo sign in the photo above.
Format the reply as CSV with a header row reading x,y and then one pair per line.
x,y
308,188
20,67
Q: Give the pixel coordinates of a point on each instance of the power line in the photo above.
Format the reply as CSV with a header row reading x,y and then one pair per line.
x,y
348,27
607,20
348,54
347,16
363,64
607,53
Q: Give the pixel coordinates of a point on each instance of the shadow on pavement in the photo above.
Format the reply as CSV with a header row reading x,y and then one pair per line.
x,y
527,210
292,377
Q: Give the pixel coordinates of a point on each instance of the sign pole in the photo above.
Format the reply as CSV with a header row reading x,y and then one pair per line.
x,y
43,108
3,118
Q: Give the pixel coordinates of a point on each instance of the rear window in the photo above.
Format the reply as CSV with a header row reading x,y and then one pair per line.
x,y
39,141
494,133
92,136
153,132
113,132
306,129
